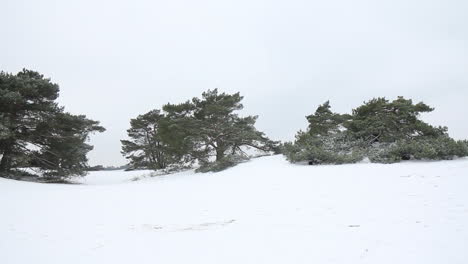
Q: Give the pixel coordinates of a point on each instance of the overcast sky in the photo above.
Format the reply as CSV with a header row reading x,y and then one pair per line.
x,y
116,59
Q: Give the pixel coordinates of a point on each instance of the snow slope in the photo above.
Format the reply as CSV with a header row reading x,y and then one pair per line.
x,y
262,211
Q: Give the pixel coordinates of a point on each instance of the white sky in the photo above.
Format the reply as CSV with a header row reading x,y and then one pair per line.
x,y
117,59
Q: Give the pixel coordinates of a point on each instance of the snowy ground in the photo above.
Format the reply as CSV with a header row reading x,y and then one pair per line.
x,y
263,211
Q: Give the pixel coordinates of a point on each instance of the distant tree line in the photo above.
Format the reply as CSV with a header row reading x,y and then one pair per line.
x,y
381,130
206,132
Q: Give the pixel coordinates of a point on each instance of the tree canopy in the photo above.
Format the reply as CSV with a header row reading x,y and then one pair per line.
x,y
380,120
324,121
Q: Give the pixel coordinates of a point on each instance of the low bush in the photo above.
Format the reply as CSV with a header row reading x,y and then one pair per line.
x,y
439,148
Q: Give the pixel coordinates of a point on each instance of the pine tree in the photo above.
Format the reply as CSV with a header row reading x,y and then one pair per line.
x,y
215,129
380,120
325,141
146,149
382,130
196,130
34,130
324,121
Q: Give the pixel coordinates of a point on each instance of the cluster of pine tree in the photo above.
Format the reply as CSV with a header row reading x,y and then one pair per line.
x,y
36,132
381,130
205,130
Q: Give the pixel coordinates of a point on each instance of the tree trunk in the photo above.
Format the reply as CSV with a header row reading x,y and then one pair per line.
x,y
7,147
219,154
5,163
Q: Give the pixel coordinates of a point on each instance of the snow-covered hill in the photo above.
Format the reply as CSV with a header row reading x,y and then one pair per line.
x,y
262,211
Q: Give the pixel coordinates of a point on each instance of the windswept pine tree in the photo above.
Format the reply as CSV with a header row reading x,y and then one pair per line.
x,y
215,129
207,130
382,130
380,120
35,131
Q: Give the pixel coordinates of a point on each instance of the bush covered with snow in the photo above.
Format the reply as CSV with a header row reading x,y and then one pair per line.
x,y
330,149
